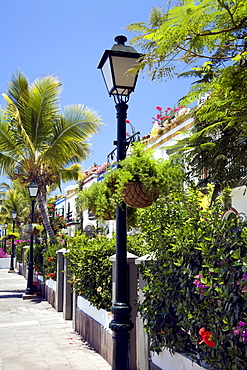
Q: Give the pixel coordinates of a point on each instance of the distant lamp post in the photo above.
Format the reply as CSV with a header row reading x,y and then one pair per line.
x,y
5,232
114,65
13,215
33,191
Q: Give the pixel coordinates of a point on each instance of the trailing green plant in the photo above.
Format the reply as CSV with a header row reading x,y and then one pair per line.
x,y
195,297
156,175
99,199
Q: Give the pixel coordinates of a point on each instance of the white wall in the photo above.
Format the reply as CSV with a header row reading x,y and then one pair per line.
x,y
239,200
166,361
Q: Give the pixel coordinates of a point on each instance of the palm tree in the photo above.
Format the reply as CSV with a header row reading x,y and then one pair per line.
x,y
14,197
38,142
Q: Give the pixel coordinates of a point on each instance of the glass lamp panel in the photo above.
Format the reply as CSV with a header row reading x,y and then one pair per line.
x,y
107,74
121,65
13,214
33,189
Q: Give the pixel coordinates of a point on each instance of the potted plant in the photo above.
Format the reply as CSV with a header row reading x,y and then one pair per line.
x,y
141,178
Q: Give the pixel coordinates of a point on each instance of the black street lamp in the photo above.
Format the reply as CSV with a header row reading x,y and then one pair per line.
x,y
33,191
5,232
114,65
11,269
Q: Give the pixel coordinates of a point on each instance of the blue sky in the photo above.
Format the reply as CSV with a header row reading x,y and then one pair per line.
x,y
67,38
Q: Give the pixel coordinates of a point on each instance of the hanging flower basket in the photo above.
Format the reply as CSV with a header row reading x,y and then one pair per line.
x,y
136,196
34,231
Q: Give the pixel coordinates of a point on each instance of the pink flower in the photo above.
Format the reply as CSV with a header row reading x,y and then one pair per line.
x,y
241,323
159,108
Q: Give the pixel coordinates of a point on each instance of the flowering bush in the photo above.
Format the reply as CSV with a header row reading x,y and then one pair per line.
x,y
50,259
241,330
169,115
3,254
195,300
38,250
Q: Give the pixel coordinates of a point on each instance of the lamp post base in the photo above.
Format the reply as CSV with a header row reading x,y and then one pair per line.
x,y
29,296
121,325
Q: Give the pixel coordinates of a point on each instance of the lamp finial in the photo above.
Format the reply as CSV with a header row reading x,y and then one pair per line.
x,y
120,40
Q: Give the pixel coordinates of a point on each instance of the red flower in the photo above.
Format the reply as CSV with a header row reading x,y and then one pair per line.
x,y
159,108
206,337
168,108
51,275
127,121
50,259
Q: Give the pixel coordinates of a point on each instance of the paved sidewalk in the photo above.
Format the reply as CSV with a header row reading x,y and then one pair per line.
x,y
33,335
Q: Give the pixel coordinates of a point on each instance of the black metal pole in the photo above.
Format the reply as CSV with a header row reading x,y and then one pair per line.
x,y
30,287
12,249
121,324
5,233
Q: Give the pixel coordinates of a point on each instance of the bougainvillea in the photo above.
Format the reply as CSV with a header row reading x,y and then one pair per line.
x,y
195,300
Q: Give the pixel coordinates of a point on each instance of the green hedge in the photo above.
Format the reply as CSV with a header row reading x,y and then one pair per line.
x,y
91,269
19,244
196,280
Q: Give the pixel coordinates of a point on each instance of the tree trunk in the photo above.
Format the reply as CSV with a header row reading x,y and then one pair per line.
x,y
45,216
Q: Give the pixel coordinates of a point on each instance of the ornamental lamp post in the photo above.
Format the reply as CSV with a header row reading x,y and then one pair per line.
x,y
11,269
114,65
5,231
33,191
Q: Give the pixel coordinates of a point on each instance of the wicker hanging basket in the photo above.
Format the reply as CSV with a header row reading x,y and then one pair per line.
x,y
136,196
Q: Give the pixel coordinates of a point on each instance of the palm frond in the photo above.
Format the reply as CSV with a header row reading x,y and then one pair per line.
x,y
44,105
71,134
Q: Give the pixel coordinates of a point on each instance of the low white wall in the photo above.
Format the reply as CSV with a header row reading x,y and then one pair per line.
x,y
239,200
51,284
166,361
5,263
101,316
